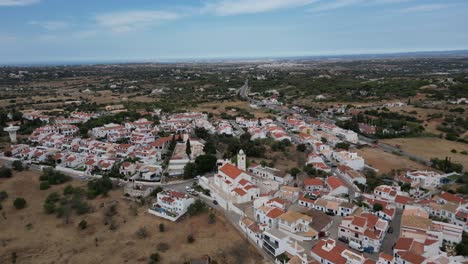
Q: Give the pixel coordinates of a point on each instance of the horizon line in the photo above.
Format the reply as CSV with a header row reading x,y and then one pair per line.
x,y
217,59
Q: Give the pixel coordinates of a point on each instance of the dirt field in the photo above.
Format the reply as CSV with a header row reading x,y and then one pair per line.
x,y
39,238
385,162
217,108
432,148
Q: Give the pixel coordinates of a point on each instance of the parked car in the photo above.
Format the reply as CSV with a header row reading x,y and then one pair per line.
x,y
323,234
215,202
330,213
343,239
356,246
390,230
369,250
197,177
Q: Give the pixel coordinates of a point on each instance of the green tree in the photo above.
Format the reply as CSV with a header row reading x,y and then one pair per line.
x,y
3,196
462,247
342,145
205,163
44,185
188,149
68,190
377,207
19,203
301,147
17,165
154,258
190,170
209,148
405,187
5,172
294,172
197,207
100,186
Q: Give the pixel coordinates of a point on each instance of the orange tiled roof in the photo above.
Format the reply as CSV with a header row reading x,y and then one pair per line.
x,y
230,170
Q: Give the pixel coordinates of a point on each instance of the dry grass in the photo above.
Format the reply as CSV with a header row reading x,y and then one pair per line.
x,y
49,240
217,108
432,148
385,162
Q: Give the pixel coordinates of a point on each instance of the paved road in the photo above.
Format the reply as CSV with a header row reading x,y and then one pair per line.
x,y
179,186
244,91
391,238
237,127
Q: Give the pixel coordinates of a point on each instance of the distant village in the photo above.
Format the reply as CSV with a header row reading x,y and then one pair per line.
x,y
329,219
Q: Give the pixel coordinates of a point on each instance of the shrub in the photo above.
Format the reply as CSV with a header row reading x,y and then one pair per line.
x,y
163,247
301,147
100,186
5,172
3,195
83,224
154,258
17,165
190,239
142,232
53,198
49,208
211,218
44,185
68,190
161,227
453,151
53,177
196,208
377,207
80,207
19,203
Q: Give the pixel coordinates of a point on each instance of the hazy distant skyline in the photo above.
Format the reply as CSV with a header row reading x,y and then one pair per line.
x,y
87,30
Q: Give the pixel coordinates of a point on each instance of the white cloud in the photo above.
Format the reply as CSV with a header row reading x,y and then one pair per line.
x,y
18,2
50,25
424,8
330,5
232,7
126,21
327,5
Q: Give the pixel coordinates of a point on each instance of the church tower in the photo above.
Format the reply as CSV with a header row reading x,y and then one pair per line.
x,y
241,160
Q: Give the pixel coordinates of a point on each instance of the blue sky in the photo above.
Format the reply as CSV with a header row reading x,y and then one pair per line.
x,y
99,30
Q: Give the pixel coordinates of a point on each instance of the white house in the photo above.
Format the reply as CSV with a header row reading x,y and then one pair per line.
x,y
171,204
297,226
350,159
270,173
328,251
367,229
336,186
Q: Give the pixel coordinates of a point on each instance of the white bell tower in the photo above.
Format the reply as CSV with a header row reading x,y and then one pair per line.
x,y
241,160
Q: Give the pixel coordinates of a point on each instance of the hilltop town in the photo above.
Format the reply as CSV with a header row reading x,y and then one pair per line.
x,y
300,175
